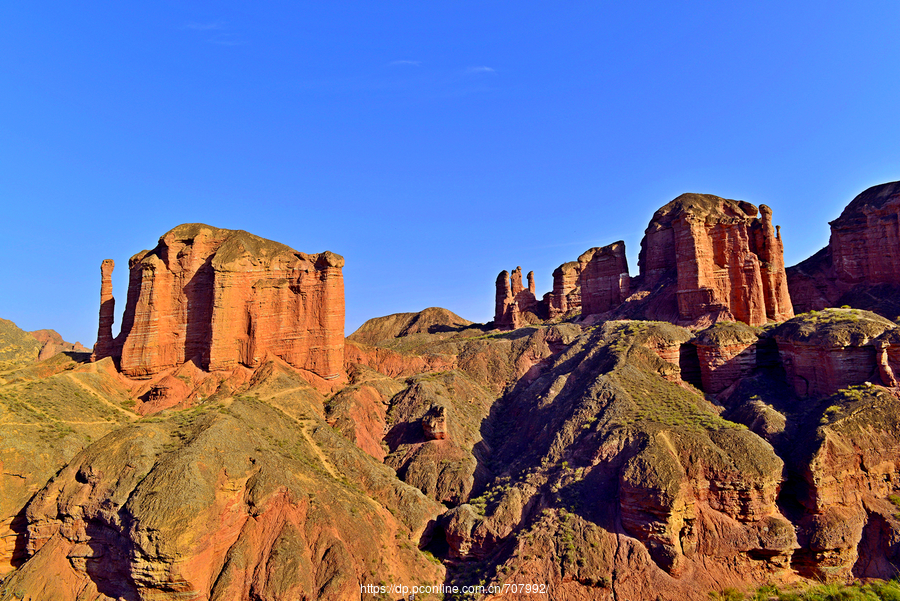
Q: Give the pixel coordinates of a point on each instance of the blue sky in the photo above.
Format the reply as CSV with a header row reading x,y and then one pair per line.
x,y
433,144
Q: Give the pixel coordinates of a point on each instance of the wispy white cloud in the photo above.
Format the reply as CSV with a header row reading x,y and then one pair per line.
x,y
481,69
227,39
219,31
411,63
211,26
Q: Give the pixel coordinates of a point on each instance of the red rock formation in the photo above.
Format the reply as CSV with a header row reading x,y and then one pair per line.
x,y
726,261
226,298
604,278
566,295
54,343
105,345
861,264
513,300
392,363
703,259
826,351
727,353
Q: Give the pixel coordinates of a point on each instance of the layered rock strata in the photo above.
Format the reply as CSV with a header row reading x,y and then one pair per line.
x,y
604,278
823,352
566,294
727,354
226,298
861,264
105,346
513,300
711,258
726,260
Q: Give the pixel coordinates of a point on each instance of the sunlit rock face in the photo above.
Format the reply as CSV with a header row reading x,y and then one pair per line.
x,y
225,298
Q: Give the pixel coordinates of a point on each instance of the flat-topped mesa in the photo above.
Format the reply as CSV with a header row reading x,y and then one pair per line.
x,y
726,262
225,298
513,300
861,264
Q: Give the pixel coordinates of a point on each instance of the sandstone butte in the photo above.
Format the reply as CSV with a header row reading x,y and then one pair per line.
x,y
222,299
703,259
860,266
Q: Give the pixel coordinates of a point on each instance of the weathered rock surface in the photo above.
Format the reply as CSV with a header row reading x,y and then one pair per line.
x,y
851,528
225,298
860,266
433,320
727,354
825,351
725,258
604,278
105,345
53,343
566,294
248,497
49,412
703,259
515,305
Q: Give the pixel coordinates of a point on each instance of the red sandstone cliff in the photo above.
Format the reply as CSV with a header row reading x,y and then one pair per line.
x,y
703,259
226,298
726,260
861,264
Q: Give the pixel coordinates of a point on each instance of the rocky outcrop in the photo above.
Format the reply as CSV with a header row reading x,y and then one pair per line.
x,y
860,266
726,353
513,300
255,503
566,294
225,298
105,345
703,259
387,329
53,343
604,278
851,528
825,351
726,260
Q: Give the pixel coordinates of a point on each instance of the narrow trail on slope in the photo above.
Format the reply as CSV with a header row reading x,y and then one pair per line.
x,y
131,416
305,424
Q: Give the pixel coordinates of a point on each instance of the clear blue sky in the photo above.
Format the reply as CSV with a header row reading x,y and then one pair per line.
x,y
433,144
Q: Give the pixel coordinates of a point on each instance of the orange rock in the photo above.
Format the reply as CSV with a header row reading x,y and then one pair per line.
x,y
225,298
604,278
703,259
105,346
566,294
513,300
725,259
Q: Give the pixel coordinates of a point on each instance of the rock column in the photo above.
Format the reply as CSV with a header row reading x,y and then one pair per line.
x,y
105,343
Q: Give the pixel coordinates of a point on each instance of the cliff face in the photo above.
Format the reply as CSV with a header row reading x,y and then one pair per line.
x,y
703,259
724,258
604,278
225,298
823,352
861,264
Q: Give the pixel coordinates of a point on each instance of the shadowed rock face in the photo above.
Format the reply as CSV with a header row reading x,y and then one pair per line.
x,y
226,298
860,266
513,300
